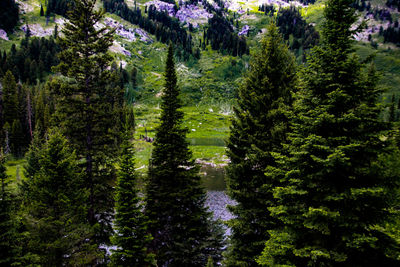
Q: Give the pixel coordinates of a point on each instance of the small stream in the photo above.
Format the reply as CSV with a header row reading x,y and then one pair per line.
x,y
213,179
206,141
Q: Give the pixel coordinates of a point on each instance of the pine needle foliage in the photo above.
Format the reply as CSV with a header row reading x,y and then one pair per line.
x,y
8,250
55,215
179,222
131,236
258,128
338,185
89,107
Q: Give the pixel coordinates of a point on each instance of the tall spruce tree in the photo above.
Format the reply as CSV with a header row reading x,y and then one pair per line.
x,y
7,228
32,165
258,129
55,213
10,98
12,114
179,222
338,189
89,105
131,236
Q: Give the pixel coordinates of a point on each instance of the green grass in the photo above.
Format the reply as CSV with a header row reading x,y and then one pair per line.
x,y
387,62
314,13
15,172
203,121
214,154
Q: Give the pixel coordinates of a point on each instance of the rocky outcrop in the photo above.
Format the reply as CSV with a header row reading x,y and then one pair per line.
x,y
217,202
3,35
37,30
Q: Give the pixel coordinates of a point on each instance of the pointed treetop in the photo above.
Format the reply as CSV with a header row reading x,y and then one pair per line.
x,y
337,29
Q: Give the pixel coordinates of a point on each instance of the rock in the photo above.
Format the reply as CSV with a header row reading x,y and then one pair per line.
x,y
144,37
37,30
24,7
245,30
121,30
60,21
3,35
117,48
216,202
162,6
193,14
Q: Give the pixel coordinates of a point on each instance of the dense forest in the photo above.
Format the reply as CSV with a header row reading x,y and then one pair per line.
x,y
301,35
313,165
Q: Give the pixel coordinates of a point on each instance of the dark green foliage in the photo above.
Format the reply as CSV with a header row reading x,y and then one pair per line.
x,y
43,106
131,237
42,51
7,228
10,98
11,115
28,32
89,108
41,10
222,37
301,35
179,222
338,189
16,136
391,34
258,129
293,26
392,109
9,15
32,165
60,7
55,210
393,4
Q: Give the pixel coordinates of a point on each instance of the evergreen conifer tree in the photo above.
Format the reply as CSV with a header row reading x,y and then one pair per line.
x,y
10,99
11,114
258,129
89,105
32,165
41,10
7,229
55,212
338,188
131,237
179,222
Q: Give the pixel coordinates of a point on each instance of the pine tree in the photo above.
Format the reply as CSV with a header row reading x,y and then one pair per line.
x,y
89,107
258,129
179,222
10,99
55,212
7,229
392,109
338,189
41,10
16,138
32,165
11,114
9,15
131,237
